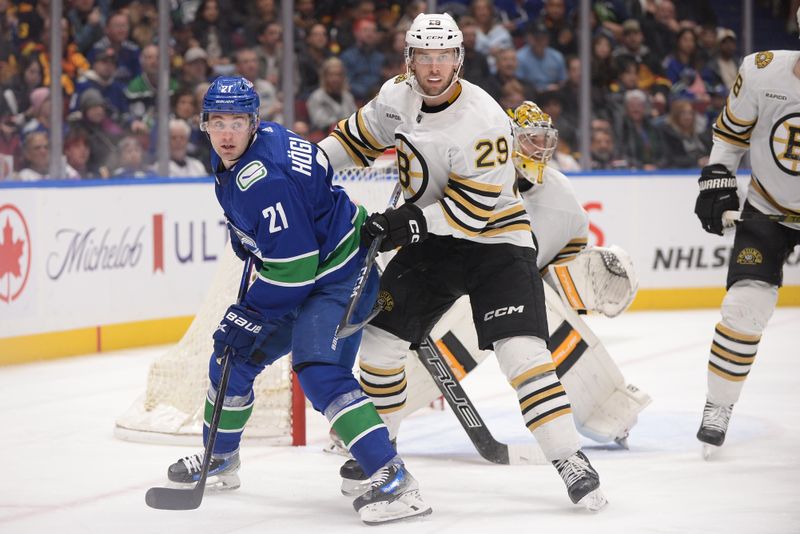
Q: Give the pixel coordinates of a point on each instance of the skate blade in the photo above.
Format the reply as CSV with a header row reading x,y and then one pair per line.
x,y
709,451
594,501
622,442
408,507
214,483
354,488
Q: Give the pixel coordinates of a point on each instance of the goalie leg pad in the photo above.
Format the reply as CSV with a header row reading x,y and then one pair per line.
x,y
605,408
543,401
598,279
746,309
333,390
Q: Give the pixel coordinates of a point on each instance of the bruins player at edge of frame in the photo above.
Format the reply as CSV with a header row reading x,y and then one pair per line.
x,y
762,115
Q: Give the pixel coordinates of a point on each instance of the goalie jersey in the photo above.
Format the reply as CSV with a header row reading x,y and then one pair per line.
x,y
560,223
762,113
454,159
280,202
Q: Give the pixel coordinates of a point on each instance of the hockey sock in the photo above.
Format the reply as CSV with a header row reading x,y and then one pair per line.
x,y
235,413
333,391
729,362
386,387
546,411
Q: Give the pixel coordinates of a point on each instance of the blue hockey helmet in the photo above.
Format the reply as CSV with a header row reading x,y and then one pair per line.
x,y
230,94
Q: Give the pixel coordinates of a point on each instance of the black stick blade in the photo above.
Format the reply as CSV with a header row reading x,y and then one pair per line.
x,y
174,498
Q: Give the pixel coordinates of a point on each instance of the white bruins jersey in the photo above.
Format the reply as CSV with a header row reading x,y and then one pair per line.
x,y
762,113
454,159
560,223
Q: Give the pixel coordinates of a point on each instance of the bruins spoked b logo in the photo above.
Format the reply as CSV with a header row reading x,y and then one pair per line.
x,y
785,143
412,169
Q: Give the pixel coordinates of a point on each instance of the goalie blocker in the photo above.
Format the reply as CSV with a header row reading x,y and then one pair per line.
x,y
604,407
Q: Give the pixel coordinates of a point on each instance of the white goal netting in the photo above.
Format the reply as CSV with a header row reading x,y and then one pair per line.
x,y
170,409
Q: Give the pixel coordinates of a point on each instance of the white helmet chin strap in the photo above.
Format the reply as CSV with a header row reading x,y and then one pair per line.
x,y
417,88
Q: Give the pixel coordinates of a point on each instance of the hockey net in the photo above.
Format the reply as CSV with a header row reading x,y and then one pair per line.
x,y
170,409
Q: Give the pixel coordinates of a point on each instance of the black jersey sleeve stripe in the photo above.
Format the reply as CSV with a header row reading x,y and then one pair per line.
x,y
356,155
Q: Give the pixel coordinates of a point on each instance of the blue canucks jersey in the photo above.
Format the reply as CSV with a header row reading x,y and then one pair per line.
x,y
280,201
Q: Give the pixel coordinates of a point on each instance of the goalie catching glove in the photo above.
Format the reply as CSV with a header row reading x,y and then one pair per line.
x,y
396,227
717,195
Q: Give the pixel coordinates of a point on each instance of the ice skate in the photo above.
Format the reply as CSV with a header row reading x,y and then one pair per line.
x,y
583,482
713,427
393,495
222,473
354,480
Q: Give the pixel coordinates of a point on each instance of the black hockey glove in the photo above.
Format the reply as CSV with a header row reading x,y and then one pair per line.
x,y
242,330
398,227
717,195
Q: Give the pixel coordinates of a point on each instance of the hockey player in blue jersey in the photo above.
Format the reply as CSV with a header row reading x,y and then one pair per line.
x,y
275,189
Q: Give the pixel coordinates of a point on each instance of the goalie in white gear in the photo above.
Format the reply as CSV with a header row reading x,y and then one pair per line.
x,y
761,115
462,231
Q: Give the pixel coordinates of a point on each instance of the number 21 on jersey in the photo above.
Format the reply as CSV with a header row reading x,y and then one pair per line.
x,y
276,217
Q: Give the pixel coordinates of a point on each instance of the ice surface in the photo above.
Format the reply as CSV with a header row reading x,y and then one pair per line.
x,y
64,472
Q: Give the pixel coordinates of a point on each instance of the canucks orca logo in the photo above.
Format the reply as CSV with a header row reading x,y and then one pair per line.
x,y
785,143
250,174
412,167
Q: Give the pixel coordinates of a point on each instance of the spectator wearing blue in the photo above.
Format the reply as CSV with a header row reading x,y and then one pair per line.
x,y
101,77
118,29
538,64
683,56
132,162
363,62
517,14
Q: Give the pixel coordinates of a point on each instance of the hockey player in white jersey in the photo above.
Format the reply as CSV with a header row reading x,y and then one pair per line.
x,y
762,115
579,279
462,231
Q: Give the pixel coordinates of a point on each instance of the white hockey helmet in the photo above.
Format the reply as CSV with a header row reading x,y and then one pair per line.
x,y
535,140
434,32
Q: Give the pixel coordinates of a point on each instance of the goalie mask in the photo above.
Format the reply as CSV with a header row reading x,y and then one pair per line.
x,y
535,140
433,32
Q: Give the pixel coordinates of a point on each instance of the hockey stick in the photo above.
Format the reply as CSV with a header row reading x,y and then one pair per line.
x,y
730,217
483,440
346,328
190,499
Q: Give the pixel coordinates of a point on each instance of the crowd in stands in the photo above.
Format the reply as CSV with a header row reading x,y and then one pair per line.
x,y
660,73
